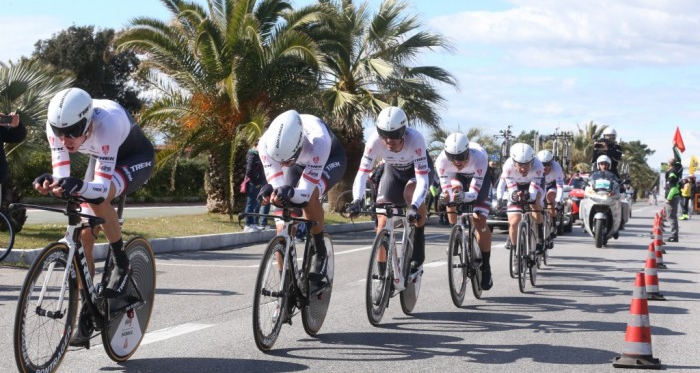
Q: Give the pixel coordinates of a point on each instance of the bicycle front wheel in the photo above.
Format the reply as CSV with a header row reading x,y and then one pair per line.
x,y
271,296
456,266
513,263
522,255
314,313
46,312
378,279
7,237
130,314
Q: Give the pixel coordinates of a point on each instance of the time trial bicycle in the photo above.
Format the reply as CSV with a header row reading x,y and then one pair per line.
x,y
463,256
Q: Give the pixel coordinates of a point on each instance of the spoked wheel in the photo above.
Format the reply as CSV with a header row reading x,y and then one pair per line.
x,y
319,294
409,296
522,256
127,328
43,328
341,203
457,266
378,279
271,296
513,263
7,237
537,258
476,266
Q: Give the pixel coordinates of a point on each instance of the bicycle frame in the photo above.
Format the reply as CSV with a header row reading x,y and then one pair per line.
x,y
397,257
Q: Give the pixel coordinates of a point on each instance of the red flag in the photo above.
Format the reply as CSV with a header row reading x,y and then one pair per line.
x,y
678,140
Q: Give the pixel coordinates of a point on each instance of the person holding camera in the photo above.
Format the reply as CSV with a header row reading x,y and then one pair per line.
x,y
13,131
607,146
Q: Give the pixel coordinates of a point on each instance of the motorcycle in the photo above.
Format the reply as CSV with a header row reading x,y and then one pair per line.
x,y
601,209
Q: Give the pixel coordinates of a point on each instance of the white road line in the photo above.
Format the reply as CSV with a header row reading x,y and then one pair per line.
x,y
167,333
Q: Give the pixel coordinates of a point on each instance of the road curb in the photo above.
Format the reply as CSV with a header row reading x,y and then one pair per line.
x,y
193,243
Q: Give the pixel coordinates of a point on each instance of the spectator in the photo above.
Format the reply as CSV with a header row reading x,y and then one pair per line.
x,y
686,190
256,179
12,132
673,193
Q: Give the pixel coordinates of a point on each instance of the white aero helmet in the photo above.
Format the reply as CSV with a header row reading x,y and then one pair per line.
x,y
609,133
545,156
286,138
70,112
457,147
604,159
522,153
391,123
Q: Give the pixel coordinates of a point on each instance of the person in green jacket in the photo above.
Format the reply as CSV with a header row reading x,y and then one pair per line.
x,y
673,196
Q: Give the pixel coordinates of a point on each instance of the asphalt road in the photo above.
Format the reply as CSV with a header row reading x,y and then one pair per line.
x,y
573,321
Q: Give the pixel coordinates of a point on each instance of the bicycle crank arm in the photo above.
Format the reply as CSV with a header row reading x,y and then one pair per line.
x,y
274,294
50,314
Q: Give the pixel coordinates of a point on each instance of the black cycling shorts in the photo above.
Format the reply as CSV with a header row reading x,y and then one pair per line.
x,y
393,183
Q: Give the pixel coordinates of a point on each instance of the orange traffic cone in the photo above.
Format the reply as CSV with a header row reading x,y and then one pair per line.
x,y
651,279
658,247
637,351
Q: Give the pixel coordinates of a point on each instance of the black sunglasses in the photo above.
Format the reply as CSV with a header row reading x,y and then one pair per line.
x,y
73,131
393,135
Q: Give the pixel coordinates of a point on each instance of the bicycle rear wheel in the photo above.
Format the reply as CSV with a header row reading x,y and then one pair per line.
x,y
456,266
314,313
7,237
475,264
271,296
130,314
537,258
522,255
409,296
42,331
378,279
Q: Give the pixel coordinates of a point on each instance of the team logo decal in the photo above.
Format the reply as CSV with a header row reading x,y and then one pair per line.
x,y
105,149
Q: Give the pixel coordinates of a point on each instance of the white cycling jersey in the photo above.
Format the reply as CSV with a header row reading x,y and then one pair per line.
x,y
110,128
412,155
511,178
476,168
315,151
555,176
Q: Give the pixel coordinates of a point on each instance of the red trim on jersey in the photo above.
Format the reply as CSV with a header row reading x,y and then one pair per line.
x,y
309,178
422,172
59,164
102,174
364,170
276,175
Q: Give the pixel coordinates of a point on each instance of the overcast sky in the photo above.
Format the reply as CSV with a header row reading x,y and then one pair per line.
x,y
534,64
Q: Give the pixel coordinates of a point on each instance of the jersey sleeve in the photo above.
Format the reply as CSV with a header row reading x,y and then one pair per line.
x,y
273,170
311,176
366,163
60,158
445,177
421,169
106,162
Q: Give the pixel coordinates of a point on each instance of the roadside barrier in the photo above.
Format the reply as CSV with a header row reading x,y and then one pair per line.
x,y
637,352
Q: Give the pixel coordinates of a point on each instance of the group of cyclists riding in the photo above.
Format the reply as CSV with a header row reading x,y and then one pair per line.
x,y
302,159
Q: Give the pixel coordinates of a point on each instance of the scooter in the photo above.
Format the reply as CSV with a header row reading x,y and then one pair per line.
x,y
601,207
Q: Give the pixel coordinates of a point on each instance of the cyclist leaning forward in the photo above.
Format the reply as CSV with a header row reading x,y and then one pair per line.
x,y
466,163
522,177
123,158
407,174
553,180
302,159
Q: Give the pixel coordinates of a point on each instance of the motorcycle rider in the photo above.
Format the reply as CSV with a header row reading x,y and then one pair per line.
x,y
608,147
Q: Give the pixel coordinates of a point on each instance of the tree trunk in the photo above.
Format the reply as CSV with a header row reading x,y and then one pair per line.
x,y
216,184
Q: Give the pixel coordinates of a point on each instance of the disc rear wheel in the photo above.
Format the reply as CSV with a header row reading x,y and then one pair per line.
x,y
319,294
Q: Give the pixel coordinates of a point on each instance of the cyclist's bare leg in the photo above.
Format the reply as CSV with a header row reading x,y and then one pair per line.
x,y
514,219
419,232
551,195
483,233
451,214
314,211
111,227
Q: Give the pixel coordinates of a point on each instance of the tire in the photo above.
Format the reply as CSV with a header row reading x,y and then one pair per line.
x,y
409,296
378,279
341,203
271,296
522,255
476,273
132,324
314,313
41,342
599,233
457,266
7,237
533,266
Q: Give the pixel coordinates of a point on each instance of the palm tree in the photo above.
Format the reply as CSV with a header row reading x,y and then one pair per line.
x,y
369,65
26,88
219,71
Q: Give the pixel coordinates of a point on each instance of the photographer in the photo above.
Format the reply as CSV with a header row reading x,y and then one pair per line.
x,y
12,131
607,146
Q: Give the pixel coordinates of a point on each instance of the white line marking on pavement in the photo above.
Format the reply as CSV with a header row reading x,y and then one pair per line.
x,y
167,333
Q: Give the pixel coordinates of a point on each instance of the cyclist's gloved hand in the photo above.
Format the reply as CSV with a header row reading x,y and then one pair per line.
x,y
71,186
265,192
412,214
42,178
285,193
354,208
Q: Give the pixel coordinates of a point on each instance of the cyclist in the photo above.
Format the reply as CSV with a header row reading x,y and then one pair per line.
x,y
553,180
302,159
123,161
407,174
464,163
522,180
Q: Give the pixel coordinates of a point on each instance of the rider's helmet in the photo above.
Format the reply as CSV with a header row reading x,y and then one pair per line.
x,y
545,156
522,153
604,159
287,137
609,134
391,123
70,112
457,147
